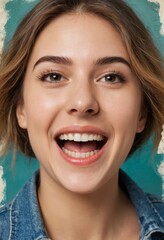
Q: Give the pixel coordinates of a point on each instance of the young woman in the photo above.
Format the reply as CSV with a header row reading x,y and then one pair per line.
x,y
81,88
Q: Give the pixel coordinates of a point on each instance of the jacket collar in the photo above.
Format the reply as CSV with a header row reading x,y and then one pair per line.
x,y
25,213
149,208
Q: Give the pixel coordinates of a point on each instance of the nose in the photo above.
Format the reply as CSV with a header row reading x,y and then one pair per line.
x,y
83,102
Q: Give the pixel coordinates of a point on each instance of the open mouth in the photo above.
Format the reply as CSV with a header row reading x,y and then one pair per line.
x,y
81,146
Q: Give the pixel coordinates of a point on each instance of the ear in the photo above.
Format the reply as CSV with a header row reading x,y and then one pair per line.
x,y
21,115
141,122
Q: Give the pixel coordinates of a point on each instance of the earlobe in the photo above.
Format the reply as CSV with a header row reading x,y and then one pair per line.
x,y
141,123
21,116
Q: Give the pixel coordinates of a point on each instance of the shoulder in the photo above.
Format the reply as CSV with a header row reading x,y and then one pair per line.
x,y
5,215
21,219
157,205
12,214
149,208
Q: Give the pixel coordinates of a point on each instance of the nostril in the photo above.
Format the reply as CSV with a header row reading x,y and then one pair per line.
x,y
74,110
82,108
87,111
90,110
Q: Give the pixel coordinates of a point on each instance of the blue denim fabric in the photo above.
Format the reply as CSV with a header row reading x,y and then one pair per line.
x,y
21,219
150,209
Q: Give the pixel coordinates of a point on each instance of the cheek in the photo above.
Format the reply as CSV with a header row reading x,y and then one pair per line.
x,y
123,110
41,108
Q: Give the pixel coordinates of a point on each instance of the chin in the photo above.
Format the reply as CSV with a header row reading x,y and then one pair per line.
x,y
81,184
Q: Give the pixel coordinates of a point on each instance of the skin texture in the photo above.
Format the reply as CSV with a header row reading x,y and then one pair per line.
x,y
82,98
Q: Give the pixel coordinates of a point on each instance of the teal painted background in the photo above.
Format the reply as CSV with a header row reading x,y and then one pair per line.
x,y
142,166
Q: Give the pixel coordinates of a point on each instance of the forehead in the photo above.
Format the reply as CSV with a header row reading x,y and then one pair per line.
x,y
79,36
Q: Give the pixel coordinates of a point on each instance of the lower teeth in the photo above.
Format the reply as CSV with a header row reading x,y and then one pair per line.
x,y
78,154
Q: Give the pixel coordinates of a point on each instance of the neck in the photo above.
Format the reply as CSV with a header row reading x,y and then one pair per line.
x,y
83,216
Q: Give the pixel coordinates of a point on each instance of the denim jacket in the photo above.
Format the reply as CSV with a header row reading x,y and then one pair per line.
x,y
21,219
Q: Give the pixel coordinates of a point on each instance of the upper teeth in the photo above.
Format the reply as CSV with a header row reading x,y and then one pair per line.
x,y
78,137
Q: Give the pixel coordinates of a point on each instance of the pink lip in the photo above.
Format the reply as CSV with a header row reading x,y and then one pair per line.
x,y
81,129
81,161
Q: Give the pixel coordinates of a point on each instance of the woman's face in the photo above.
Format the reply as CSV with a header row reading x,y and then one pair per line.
x,y
81,102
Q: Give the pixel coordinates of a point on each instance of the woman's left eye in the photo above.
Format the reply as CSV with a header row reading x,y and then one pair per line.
x,y
113,78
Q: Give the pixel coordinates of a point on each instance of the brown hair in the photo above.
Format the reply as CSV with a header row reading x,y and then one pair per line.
x,y
144,56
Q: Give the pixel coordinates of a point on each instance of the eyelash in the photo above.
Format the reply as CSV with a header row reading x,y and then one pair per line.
x,y
119,77
45,74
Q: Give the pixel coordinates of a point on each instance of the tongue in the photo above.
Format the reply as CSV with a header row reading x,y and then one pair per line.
x,y
80,146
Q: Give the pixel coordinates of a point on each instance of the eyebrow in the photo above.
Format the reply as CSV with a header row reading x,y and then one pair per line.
x,y
54,59
67,61
110,60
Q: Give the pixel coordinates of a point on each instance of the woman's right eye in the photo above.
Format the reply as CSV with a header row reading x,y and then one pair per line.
x,y
51,77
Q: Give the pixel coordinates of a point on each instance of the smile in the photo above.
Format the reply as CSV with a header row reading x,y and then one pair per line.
x,y
81,148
